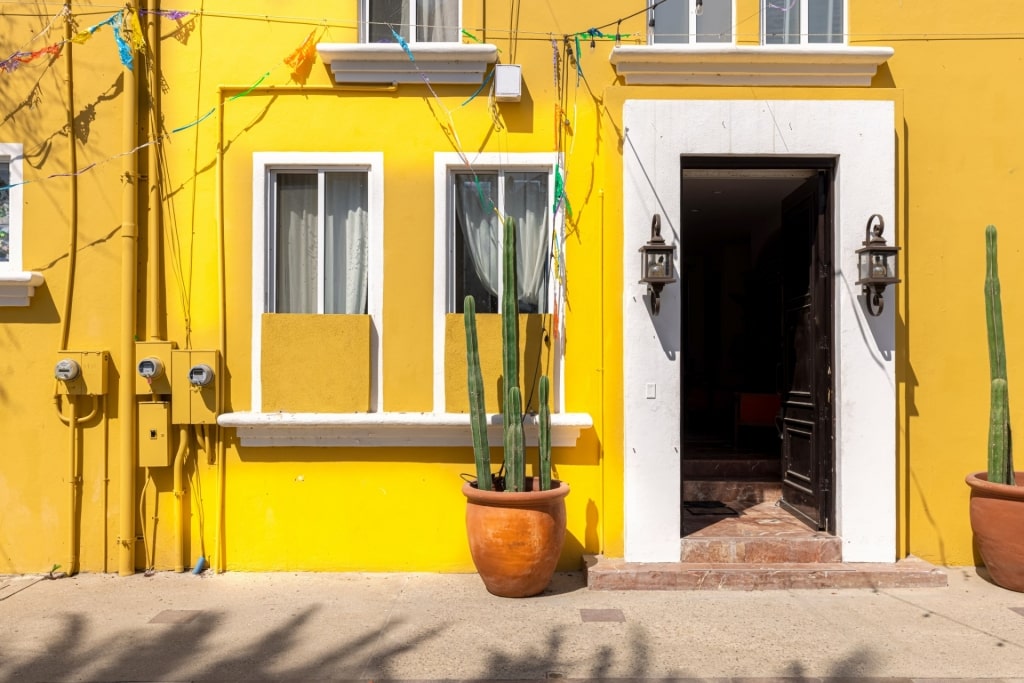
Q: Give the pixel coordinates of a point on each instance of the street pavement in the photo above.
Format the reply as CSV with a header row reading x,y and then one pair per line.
x,y
432,627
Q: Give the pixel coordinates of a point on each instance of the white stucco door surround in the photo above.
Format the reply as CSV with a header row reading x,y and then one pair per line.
x,y
860,136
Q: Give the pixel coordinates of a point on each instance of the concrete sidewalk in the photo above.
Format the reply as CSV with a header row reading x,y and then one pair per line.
x,y
303,627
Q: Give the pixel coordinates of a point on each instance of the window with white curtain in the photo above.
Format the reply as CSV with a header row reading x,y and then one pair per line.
x,y
417,21
480,201
318,235
803,22
10,207
690,21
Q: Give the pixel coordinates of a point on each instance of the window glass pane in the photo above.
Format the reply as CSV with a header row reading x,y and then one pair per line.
x,y
345,242
825,21
477,244
526,201
781,21
437,20
5,213
671,21
383,15
295,243
715,24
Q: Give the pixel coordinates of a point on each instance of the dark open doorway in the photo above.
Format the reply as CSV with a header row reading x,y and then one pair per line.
x,y
756,329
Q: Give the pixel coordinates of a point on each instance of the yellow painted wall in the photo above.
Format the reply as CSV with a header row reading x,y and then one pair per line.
x,y
362,508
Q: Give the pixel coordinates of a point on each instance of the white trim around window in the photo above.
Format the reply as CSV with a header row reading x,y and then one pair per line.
x,y
444,165
373,164
16,287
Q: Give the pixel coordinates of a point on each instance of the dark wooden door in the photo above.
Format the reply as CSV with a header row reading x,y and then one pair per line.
x,y
807,467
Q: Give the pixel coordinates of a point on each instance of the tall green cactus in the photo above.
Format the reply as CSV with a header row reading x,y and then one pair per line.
x,y
1000,453
512,417
477,414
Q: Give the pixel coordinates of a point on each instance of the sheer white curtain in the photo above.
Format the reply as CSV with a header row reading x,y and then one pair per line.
x,y
345,236
526,200
437,20
345,243
476,197
296,252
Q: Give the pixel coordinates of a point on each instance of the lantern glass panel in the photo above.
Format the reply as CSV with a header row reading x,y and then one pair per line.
x,y
658,265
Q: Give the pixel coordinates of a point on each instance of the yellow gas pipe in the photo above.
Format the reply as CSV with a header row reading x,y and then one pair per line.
x,y
129,280
179,497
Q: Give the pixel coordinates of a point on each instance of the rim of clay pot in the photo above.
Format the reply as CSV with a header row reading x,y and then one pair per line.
x,y
559,489
978,481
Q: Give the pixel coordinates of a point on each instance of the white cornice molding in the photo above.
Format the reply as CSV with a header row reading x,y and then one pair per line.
x,y
17,288
439,63
708,64
388,429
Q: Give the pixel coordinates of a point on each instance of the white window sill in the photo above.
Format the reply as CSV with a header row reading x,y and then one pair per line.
x,y
388,429
17,288
439,63
709,64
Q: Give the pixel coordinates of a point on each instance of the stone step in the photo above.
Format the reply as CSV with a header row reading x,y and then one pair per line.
x,y
616,574
734,491
818,548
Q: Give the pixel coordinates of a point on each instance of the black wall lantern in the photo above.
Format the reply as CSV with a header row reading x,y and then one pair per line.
x,y
656,264
877,265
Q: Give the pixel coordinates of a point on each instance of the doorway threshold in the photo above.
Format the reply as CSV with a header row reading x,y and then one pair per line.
x,y
735,546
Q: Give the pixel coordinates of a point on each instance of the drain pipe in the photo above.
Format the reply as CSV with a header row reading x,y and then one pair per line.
x,y
129,316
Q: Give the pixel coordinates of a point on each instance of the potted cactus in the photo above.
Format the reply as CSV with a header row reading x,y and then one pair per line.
x,y
997,503
515,524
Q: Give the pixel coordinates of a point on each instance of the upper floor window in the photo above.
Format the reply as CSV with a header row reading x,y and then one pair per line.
x,y
801,22
479,201
691,21
417,21
10,207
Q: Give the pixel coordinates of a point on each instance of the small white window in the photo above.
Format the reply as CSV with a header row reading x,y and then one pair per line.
x,y
479,200
10,207
803,22
691,21
417,21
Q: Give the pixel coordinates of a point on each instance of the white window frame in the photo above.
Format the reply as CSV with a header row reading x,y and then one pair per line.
x,y
264,163
364,26
445,164
692,24
804,24
12,154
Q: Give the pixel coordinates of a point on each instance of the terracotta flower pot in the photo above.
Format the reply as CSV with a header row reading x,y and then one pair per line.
x,y
997,517
516,538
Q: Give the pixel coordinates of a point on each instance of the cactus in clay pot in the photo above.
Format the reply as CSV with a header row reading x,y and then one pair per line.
x,y
1000,452
514,466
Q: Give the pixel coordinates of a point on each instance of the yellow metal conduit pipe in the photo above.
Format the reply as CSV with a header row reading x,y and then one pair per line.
x,y
74,477
154,232
221,444
129,316
179,498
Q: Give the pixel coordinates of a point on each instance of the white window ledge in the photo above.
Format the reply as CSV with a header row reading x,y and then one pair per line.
x,y
707,64
439,63
388,429
16,288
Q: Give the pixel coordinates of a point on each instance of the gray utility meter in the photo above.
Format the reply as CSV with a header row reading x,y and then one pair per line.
x,y
200,375
66,370
151,368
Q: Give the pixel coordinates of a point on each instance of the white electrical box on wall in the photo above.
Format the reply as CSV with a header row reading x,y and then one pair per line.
x,y
508,82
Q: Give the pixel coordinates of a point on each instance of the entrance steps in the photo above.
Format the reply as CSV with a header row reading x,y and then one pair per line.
x,y
759,546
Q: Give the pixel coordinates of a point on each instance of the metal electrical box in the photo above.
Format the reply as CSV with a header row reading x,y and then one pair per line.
x,y
153,367
195,385
154,426
81,373
508,82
